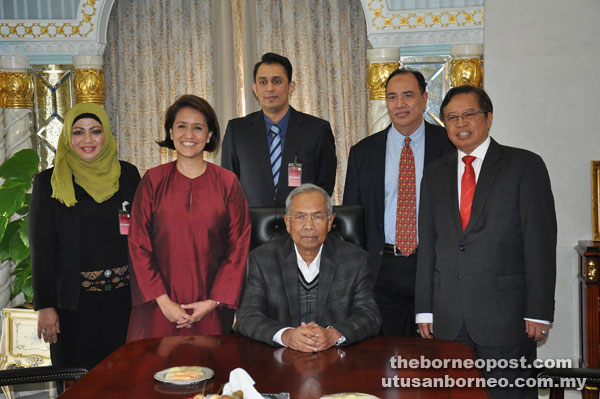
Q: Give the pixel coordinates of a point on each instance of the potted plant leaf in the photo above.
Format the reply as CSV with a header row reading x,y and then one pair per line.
x,y
17,172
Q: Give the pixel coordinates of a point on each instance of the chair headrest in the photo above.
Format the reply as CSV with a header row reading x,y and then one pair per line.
x,y
268,223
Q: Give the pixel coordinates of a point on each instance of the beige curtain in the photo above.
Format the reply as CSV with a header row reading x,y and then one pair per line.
x,y
326,41
158,50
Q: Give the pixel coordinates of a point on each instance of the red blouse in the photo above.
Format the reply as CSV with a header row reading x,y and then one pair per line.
x,y
189,239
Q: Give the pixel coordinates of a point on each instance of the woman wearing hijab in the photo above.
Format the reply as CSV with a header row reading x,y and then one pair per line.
x,y
189,236
78,225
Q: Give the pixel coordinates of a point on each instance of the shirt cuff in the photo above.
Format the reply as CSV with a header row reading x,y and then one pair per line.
x,y
538,321
424,318
278,334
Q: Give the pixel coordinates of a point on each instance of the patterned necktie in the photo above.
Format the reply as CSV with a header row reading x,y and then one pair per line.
x,y
275,154
467,190
406,211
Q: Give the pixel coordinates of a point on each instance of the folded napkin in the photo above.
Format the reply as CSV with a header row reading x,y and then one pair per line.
x,y
240,380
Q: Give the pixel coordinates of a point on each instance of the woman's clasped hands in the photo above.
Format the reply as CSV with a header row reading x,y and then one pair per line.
x,y
177,313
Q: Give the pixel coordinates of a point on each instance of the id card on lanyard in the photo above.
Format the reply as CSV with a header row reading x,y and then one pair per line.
x,y
294,173
124,218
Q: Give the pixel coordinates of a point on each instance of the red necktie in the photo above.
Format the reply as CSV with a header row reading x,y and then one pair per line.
x,y
467,190
406,211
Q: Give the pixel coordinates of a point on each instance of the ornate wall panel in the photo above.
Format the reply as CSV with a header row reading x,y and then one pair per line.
x,y
38,9
436,70
85,34
420,4
436,26
53,98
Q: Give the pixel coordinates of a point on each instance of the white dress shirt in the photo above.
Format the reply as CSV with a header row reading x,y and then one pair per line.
x,y
309,272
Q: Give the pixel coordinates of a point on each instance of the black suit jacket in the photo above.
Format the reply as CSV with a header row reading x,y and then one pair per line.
x,y
54,240
271,298
502,268
365,182
308,140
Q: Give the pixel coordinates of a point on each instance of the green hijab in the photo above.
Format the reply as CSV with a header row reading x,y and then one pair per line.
x,y
99,177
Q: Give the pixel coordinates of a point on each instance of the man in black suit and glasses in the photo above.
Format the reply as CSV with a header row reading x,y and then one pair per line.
x,y
487,228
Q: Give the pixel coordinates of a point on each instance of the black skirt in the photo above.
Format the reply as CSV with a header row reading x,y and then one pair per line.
x,y
95,330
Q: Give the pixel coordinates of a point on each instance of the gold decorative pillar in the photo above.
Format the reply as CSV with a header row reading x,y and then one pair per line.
x,y
5,266
17,101
89,79
382,62
3,79
466,65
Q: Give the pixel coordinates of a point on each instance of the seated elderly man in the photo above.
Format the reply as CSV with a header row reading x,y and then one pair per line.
x,y
308,291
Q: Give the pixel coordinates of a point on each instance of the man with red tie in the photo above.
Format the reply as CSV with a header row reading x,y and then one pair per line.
x,y
486,269
384,175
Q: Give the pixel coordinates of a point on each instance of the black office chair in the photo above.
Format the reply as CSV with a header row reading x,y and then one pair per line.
x,y
592,382
268,223
32,375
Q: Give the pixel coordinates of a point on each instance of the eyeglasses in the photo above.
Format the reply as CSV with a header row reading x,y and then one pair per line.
x,y
317,218
466,116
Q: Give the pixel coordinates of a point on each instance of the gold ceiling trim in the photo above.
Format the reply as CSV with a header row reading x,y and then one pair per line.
x,y
46,30
381,20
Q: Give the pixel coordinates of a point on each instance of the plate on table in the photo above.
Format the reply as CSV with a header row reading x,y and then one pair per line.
x,y
184,375
349,395
281,395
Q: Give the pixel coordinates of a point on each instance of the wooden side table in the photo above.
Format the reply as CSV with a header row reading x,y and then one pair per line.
x,y
589,297
19,344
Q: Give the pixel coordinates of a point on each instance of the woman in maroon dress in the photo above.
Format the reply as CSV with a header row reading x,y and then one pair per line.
x,y
189,234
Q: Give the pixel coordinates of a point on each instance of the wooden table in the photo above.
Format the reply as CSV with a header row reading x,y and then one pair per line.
x,y
129,371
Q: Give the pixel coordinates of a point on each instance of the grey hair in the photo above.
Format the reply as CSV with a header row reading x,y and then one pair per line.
x,y
307,188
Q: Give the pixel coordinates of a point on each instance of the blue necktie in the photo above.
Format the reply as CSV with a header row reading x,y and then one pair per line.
x,y
275,154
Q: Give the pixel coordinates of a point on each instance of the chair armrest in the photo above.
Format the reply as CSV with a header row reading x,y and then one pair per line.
x,y
40,374
592,376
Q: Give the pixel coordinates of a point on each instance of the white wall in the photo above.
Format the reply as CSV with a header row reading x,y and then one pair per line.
x,y
542,72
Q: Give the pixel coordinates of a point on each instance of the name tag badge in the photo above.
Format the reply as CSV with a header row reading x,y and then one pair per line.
x,y
294,174
124,218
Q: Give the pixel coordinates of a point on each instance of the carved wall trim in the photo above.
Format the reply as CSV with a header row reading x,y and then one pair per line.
x,y
386,28
85,35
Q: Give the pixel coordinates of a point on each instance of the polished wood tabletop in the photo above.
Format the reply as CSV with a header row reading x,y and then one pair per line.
x,y
362,367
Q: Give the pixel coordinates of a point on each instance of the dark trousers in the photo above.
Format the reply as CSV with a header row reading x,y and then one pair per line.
x,y
94,331
395,295
527,350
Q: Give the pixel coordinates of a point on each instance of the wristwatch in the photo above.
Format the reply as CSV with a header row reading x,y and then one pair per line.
x,y
340,340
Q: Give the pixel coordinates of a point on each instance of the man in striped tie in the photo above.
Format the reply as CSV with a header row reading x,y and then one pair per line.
x,y
278,148
487,243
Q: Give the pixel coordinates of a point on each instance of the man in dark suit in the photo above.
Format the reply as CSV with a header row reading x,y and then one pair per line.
x,y
276,149
487,228
377,178
308,291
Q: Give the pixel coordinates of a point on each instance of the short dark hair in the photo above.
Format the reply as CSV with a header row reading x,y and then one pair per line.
x,y
485,103
200,105
272,58
405,71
